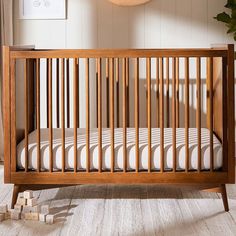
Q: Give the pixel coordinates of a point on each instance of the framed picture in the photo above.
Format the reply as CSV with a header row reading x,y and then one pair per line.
x,y
42,9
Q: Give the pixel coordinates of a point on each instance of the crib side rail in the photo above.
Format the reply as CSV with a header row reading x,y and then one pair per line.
x,y
116,64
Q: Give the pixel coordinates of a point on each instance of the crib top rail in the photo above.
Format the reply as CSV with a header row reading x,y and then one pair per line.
x,y
118,53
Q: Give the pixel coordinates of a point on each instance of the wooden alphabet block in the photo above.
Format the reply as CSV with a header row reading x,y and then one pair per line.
x,y
8,214
22,215
45,209
42,217
49,219
18,207
21,201
31,216
32,201
15,215
34,208
26,209
28,194
2,217
3,208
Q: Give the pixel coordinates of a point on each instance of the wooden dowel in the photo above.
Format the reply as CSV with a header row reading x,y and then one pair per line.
x,y
167,92
198,113
177,93
38,113
124,116
107,91
47,93
63,112
57,91
13,115
96,88
112,114
127,90
87,114
186,114
157,93
210,110
174,112
26,112
99,65
68,91
148,75
136,92
50,116
117,93
75,111
161,115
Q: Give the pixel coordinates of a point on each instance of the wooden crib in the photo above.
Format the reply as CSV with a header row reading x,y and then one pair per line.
x,y
117,111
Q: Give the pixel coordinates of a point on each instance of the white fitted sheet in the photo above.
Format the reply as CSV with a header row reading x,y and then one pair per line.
x,y
106,147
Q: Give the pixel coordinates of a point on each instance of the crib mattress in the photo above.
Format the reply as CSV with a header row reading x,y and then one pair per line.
x,y
131,156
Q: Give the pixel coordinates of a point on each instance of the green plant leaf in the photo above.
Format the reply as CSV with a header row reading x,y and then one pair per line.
x,y
223,17
231,4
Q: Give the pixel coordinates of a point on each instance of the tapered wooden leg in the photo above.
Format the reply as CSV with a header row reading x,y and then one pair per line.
x,y
224,197
16,190
222,190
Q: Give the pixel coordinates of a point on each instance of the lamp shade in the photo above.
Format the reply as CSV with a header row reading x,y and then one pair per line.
x,y
129,2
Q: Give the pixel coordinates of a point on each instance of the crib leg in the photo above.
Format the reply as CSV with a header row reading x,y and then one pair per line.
x,y
16,190
222,190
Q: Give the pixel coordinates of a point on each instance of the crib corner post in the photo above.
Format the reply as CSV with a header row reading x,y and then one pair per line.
x,y
16,190
6,113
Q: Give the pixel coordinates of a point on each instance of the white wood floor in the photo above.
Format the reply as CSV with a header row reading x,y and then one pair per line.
x,y
127,210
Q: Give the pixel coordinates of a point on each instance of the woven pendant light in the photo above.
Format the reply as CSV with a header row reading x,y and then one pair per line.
x,y
129,2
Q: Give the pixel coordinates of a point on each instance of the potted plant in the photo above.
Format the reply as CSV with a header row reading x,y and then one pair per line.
x,y
229,19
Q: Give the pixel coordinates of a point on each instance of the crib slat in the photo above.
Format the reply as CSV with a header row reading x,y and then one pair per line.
x,y
137,113
148,71
107,91
50,115
124,116
198,113
76,62
177,92
167,92
57,91
157,93
87,114
47,92
210,107
38,112
96,88
99,65
117,92
63,112
13,114
161,115
186,114
26,99
112,113
174,112
68,91
127,90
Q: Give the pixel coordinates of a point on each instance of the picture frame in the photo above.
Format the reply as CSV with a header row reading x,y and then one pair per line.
x,y
42,9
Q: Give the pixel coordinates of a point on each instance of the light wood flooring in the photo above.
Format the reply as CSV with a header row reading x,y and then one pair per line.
x,y
127,210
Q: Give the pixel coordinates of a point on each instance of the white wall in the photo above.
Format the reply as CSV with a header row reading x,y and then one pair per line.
x,y
99,24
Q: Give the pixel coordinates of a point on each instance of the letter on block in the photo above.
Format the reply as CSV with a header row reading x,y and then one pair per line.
x,y
49,219
28,194
2,217
31,216
26,209
32,201
15,215
45,209
18,207
21,201
42,217
3,208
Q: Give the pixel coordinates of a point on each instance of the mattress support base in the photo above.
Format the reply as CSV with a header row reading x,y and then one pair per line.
x,y
22,187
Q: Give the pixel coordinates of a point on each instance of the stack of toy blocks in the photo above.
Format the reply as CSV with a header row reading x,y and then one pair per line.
x,y
27,208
